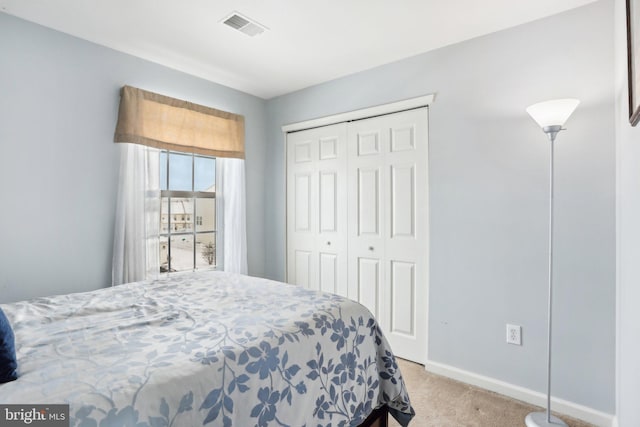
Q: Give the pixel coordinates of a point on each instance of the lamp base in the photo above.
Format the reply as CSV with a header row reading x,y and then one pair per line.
x,y
539,419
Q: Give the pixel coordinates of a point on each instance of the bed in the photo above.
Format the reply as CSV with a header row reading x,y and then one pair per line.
x,y
207,348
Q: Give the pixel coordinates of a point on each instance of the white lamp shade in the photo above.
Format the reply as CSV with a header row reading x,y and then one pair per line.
x,y
552,113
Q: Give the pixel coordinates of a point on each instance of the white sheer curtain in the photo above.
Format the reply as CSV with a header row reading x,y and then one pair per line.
x,y
136,253
232,218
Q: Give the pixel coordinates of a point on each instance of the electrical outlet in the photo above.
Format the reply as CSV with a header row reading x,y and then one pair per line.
x,y
514,334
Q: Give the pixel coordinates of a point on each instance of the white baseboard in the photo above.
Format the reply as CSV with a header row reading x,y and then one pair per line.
x,y
561,406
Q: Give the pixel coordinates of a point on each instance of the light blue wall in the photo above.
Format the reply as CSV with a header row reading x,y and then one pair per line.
x,y
59,166
628,239
489,197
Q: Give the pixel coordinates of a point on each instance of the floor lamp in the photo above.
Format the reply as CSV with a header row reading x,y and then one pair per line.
x,y
551,116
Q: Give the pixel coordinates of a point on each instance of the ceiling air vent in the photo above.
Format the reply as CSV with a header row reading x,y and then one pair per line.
x,y
244,24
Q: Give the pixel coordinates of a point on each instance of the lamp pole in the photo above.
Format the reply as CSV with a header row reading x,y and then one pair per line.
x,y
552,132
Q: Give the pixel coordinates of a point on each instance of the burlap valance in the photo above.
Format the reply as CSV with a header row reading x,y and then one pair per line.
x,y
159,121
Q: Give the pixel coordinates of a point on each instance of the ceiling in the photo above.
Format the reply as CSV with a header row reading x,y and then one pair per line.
x,y
307,42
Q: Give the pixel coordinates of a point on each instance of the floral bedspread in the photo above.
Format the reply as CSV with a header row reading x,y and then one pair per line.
x,y
207,348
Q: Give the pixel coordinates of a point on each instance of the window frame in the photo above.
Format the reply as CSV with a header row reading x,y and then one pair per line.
x,y
194,196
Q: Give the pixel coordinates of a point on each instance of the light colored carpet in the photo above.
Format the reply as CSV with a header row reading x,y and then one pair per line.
x,y
443,402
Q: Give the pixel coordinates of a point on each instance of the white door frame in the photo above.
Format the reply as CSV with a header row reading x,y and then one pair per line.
x,y
378,110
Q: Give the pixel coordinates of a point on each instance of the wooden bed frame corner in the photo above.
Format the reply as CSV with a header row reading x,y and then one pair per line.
x,y
378,418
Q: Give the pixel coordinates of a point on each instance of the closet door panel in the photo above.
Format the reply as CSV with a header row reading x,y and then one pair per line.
x,y
302,213
369,284
316,207
328,201
389,224
302,151
303,269
368,142
403,138
403,289
332,230
407,233
302,204
366,176
368,201
328,272
329,147
403,201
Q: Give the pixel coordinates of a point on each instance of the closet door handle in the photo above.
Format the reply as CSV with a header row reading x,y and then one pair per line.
x,y
328,243
370,248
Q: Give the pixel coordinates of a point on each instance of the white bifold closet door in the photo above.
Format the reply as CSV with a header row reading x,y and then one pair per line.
x,y
388,226
317,208
357,219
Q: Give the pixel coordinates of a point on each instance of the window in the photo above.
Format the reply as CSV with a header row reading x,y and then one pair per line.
x,y
187,183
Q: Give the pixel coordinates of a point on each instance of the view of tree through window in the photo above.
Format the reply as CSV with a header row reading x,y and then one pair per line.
x,y
188,212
